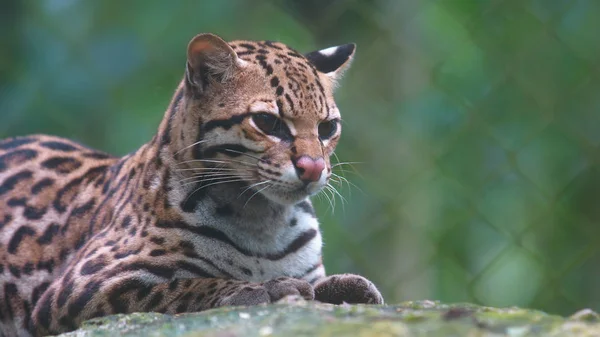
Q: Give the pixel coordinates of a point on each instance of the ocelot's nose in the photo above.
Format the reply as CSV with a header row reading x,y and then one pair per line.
x,y
309,169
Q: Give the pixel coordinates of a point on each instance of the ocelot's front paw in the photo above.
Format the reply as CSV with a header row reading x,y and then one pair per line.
x,y
268,292
286,286
347,288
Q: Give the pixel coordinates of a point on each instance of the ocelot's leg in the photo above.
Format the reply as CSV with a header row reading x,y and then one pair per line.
x,y
58,312
347,288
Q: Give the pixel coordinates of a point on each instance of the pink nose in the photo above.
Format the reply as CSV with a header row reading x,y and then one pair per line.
x,y
309,169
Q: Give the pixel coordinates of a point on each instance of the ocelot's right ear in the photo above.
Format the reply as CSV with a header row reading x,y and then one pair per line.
x,y
209,60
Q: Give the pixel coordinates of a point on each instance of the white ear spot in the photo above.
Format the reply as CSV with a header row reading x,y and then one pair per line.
x,y
241,63
332,61
328,51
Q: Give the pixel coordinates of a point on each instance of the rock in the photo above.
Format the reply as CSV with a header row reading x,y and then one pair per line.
x,y
294,317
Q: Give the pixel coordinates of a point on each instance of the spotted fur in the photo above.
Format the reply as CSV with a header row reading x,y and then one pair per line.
x,y
213,211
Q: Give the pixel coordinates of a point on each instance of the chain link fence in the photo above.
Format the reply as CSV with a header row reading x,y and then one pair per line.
x,y
476,125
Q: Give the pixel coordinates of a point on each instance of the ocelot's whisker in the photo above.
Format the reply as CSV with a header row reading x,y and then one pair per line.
x,y
355,186
191,182
336,181
328,188
349,163
210,169
228,161
331,203
255,193
200,172
212,184
254,185
340,165
341,180
192,145
333,189
244,154
203,177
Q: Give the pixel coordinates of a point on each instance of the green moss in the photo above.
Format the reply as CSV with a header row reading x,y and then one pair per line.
x,y
299,318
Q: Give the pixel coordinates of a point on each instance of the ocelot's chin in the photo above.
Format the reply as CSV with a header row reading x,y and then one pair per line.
x,y
290,196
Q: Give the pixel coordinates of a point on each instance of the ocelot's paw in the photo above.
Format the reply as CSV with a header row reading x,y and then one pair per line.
x,y
246,295
268,292
286,286
347,288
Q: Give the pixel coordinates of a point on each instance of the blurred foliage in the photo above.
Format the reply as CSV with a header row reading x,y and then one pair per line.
x,y
477,124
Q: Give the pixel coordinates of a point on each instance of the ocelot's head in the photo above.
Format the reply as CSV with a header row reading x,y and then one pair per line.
x,y
260,113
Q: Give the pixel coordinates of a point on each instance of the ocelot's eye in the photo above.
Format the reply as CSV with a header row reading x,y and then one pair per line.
x,y
267,123
327,129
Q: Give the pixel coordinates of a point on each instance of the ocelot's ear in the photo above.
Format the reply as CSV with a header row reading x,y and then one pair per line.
x,y
332,61
209,60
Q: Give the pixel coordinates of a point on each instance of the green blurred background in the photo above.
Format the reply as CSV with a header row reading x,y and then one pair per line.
x,y
477,124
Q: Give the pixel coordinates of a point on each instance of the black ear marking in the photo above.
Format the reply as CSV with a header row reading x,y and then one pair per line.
x,y
332,59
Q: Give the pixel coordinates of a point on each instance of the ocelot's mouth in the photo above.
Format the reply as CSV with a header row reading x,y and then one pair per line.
x,y
311,188
285,195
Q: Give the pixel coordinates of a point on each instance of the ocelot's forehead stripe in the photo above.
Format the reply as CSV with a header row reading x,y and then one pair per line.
x,y
300,91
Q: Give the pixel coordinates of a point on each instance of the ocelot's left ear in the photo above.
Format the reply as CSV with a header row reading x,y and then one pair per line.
x,y
332,61
210,60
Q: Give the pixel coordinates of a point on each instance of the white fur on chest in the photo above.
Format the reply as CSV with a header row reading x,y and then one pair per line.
x,y
260,249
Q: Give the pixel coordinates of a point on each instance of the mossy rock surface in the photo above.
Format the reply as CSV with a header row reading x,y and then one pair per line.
x,y
298,318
